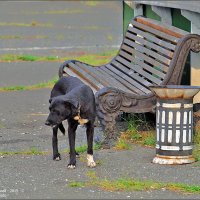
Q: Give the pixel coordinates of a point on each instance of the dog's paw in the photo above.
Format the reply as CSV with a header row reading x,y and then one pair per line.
x,y
57,157
71,166
91,164
90,161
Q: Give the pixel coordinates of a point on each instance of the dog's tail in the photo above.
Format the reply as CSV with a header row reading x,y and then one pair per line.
x,y
61,127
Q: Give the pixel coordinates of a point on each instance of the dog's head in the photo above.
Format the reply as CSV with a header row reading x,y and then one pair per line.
x,y
61,108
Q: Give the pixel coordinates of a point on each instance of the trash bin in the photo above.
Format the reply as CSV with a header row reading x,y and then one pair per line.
x,y
174,123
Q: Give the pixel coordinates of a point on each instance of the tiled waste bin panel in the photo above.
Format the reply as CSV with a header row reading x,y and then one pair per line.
x,y
174,127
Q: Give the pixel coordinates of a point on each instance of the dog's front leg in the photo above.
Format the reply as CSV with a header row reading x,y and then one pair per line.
x,y
56,155
90,133
72,126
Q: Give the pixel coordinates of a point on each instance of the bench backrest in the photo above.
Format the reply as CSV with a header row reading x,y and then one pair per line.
x,y
148,51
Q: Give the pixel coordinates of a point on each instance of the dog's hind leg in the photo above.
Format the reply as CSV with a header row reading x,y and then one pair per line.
x,y
90,134
56,155
72,126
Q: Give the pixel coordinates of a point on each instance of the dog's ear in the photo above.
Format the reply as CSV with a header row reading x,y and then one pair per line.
x,y
73,102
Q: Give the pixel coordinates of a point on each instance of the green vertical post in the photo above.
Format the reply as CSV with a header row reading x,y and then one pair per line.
x,y
149,13
128,14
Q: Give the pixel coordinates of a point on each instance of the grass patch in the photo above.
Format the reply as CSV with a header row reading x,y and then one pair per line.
x,y
26,57
76,184
83,148
139,130
47,84
91,3
196,150
23,37
149,139
129,184
122,144
92,59
31,151
123,184
33,23
95,59
66,11
185,188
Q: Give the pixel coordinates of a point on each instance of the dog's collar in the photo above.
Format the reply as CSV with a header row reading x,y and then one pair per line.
x,y
80,120
78,117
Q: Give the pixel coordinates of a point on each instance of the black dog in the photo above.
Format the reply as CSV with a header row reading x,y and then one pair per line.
x,y
71,99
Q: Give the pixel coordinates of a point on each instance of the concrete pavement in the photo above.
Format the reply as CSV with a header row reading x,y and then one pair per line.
x,y
23,113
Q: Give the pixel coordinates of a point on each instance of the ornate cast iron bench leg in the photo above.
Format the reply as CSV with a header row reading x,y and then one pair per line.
x,y
109,103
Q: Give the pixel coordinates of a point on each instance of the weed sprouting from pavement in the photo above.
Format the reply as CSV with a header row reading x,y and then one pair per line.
x,y
92,59
139,130
91,3
2,37
83,148
33,23
196,150
122,144
65,11
76,184
26,57
30,151
130,184
47,84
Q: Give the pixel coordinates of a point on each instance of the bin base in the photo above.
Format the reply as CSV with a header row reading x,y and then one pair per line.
x,y
173,160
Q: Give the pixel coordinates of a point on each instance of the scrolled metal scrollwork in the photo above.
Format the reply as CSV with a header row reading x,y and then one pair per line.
x,y
111,101
195,45
189,42
128,101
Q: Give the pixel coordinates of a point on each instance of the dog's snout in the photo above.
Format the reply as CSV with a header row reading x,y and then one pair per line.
x,y
47,123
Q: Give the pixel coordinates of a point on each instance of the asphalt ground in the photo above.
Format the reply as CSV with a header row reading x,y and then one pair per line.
x,y
23,113
37,176
53,27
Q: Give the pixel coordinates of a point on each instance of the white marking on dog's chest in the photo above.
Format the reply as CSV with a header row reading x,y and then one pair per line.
x,y
80,120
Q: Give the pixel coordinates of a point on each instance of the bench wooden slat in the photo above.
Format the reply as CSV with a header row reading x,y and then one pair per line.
x,y
146,58
91,71
114,83
106,80
163,27
156,32
69,72
81,73
136,76
139,70
122,78
125,77
147,51
142,64
165,44
149,44
139,82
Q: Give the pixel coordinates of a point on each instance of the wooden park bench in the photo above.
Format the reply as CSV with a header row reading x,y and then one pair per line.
x,y
152,53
